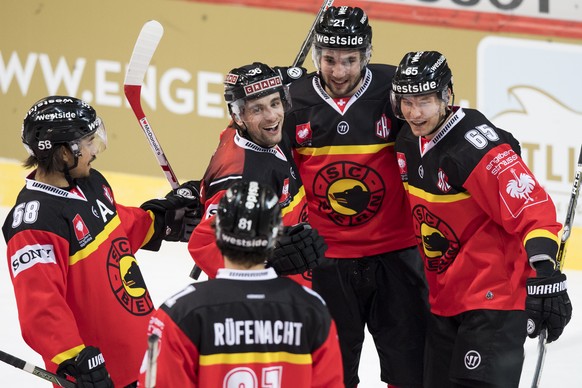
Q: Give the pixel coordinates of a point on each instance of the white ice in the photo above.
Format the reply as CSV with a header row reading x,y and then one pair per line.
x,y
167,271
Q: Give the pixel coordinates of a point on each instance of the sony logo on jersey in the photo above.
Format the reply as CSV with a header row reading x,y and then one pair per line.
x,y
416,88
27,256
348,41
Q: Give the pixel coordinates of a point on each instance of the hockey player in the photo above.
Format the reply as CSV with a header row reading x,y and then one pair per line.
x,y
82,301
343,132
479,215
247,327
253,147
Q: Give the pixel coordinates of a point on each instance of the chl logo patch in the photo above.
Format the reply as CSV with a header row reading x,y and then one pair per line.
x,y
350,193
383,127
126,280
440,245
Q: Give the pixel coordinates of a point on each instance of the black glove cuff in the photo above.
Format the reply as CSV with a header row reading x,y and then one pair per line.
x,y
547,287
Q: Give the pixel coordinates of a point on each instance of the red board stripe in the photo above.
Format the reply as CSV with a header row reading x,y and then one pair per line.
x,y
442,17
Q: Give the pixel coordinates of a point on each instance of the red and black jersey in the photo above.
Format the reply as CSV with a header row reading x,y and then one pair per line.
x,y
246,328
344,150
235,159
76,281
478,213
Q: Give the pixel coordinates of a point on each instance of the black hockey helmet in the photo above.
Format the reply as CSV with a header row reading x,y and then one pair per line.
x,y
250,82
60,120
342,28
421,72
248,218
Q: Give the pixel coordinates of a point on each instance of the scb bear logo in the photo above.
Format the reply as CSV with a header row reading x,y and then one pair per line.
x,y
126,279
350,193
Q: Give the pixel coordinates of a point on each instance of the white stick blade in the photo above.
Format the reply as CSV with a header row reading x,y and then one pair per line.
x,y
143,51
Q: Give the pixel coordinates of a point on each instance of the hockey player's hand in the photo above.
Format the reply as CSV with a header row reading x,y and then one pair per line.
x,y
88,368
289,74
299,249
548,305
180,210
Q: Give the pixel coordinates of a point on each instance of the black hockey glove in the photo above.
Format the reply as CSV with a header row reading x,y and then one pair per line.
x,y
88,368
290,74
179,210
548,305
299,249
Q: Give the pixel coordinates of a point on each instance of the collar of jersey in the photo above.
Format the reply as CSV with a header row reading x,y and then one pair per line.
x,y
249,145
447,126
329,100
251,275
31,184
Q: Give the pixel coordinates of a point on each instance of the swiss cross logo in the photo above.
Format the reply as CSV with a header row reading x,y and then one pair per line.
x,y
107,192
231,79
303,134
383,127
81,230
401,158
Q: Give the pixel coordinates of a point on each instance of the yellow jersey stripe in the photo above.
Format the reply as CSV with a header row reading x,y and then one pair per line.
x,y
151,230
255,358
67,354
540,233
440,198
342,150
96,243
296,201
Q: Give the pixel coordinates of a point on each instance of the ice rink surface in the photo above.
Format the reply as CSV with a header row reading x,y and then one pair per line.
x,y
166,272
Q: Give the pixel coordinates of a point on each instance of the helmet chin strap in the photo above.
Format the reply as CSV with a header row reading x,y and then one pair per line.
x,y
67,169
241,129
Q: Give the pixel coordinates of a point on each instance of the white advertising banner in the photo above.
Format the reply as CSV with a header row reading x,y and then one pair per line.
x,y
532,88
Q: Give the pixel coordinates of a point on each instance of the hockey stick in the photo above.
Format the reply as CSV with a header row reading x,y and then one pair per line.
x,y
570,213
143,51
35,370
309,38
152,360
147,41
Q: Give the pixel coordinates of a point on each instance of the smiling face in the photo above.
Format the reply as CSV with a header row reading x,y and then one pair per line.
x,y
89,147
341,71
262,119
423,113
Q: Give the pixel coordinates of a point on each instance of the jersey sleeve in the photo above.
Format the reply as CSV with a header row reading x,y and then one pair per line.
x,y
177,362
141,228
507,190
38,262
202,244
327,362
